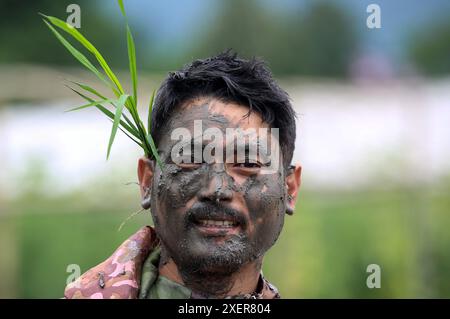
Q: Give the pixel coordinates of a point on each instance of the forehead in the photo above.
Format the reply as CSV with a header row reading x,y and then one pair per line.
x,y
216,113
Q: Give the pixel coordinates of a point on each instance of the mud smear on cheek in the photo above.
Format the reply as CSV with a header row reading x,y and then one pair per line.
x,y
177,186
264,196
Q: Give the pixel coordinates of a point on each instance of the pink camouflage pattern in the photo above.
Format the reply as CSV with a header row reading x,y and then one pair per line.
x,y
118,277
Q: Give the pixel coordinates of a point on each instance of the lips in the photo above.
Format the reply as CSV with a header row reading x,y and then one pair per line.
x,y
213,220
217,228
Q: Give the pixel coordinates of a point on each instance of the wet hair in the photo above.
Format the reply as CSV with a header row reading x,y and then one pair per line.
x,y
229,79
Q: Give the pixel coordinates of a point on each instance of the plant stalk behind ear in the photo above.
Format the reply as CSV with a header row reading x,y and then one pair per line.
x,y
123,106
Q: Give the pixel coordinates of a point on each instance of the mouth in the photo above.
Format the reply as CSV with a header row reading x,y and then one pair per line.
x,y
217,223
217,227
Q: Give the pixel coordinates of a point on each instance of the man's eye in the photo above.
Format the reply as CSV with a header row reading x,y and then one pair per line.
x,y
247,165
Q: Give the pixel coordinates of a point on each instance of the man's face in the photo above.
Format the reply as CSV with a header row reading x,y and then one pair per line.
x,y
216,216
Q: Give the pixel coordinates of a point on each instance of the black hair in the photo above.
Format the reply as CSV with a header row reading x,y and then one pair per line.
x,y
229,79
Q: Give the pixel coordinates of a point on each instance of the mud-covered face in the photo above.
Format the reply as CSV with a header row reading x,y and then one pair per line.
x,y
216,216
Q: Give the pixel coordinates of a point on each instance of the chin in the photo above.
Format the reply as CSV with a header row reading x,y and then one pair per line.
x,y
210,257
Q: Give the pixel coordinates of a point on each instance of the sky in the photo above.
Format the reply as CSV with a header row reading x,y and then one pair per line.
x,y
177,20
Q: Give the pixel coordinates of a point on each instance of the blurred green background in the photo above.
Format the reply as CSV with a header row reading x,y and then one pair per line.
x,y
373,139
323,251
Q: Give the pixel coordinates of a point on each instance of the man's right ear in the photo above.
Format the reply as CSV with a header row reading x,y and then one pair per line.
x,y
145,176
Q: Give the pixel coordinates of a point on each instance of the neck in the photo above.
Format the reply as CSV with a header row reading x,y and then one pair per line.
x,y
214,284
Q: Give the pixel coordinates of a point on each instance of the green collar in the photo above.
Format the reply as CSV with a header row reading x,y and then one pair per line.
x,y
154,286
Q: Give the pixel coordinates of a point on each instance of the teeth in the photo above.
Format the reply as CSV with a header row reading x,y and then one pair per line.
x,y
219,223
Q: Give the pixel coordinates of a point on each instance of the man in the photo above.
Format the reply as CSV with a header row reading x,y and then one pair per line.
x,y
216,209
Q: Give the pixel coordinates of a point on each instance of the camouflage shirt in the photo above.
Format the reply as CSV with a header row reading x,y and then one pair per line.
x,y
132,272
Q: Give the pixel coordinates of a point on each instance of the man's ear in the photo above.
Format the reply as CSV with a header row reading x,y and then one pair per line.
x,y
293,181
145,176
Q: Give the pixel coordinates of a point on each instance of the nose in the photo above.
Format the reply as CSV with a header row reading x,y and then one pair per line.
x,y
217,186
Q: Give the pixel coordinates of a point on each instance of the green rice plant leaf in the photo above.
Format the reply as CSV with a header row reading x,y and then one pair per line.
x,y
91,104
131,129
77,54
150,110
138,143
131,53
132,62
122,8
88,88
125,132
119,107
154,150
95,92
88,45
135,129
